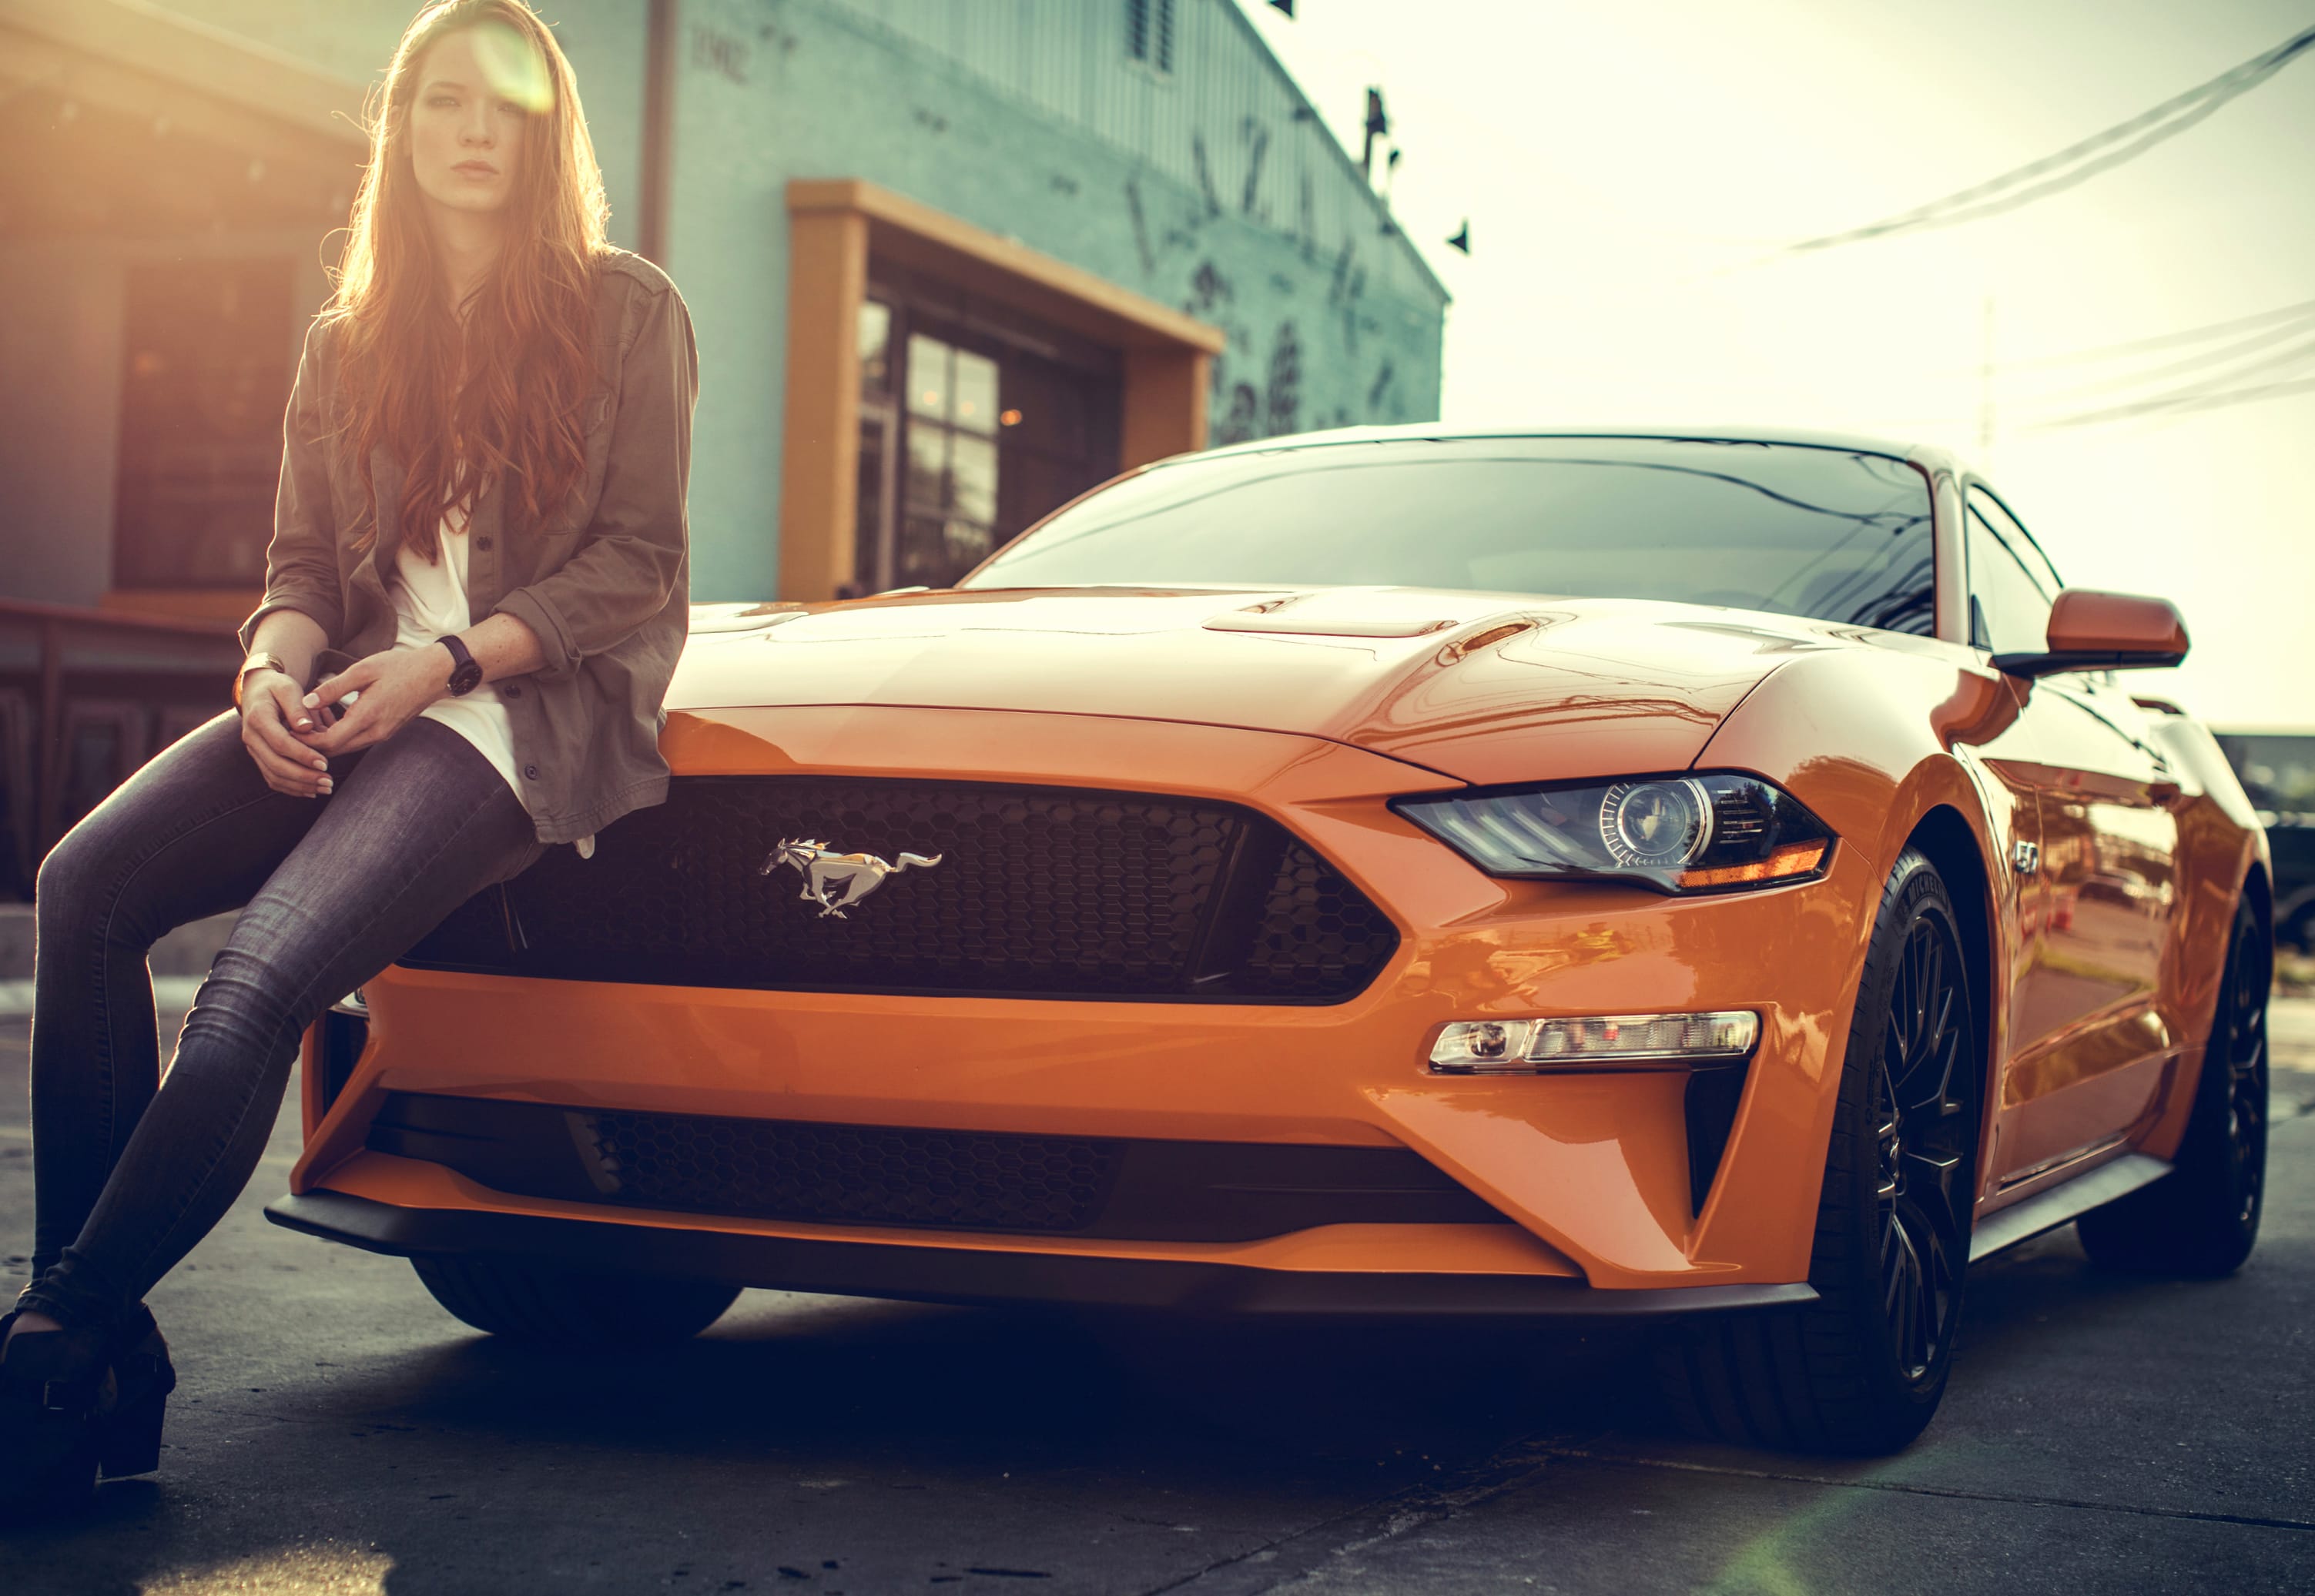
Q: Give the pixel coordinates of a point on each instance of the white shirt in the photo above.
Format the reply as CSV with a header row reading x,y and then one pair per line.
x,y
430,601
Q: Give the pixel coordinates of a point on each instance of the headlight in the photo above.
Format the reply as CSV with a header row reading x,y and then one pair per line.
x,y
1674,833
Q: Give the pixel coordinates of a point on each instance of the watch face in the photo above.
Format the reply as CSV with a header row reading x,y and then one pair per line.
x,y
466,671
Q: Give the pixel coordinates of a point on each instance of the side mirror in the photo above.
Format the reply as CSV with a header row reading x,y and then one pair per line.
x,y
2095,630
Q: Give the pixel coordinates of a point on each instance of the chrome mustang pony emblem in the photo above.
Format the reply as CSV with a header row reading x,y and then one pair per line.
x,y
836,882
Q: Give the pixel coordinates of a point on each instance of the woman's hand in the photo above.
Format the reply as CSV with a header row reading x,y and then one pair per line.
x,y
268,710
395,686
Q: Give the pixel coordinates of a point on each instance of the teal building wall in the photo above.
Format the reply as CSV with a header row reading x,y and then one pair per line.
x,y
1211,187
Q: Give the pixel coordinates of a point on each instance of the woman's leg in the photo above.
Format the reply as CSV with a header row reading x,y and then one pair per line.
x,y
195,832
423,823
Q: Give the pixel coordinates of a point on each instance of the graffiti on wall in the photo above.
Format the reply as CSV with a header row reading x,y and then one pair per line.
x,y
1261,383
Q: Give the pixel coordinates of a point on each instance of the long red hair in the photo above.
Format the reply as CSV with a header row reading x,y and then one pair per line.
x,y
497,396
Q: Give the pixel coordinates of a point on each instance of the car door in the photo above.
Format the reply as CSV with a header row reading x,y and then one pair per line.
x,y
2087,1045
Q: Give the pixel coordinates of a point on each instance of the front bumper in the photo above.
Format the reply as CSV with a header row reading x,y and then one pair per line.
x,y
1593,1168
953,1274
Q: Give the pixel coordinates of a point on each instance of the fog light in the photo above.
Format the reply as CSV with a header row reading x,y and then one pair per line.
x,y
1537,1047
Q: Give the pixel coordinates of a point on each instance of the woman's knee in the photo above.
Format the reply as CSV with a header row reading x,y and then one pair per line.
x,y
79,873
252,1007
184,836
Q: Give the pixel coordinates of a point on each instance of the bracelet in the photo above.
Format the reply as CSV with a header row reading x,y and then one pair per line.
x,y
250,666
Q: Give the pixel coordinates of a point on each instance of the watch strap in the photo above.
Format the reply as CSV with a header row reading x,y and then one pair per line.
x,y
466,673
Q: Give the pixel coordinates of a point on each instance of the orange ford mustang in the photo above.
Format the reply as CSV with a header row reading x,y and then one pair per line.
x,y
1711,879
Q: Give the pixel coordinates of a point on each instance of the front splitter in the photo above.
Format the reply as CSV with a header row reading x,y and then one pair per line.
x,y
918,1273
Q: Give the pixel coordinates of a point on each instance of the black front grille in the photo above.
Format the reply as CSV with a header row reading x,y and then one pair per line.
x,y
846,1175
885,1175
1039,891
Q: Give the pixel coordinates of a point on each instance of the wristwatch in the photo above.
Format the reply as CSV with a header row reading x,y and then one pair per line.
x,y
261,661
465,672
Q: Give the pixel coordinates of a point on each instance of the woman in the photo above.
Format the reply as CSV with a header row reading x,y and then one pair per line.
x,y
482,505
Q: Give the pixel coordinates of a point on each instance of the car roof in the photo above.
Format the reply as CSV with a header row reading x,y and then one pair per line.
x,y
1927,455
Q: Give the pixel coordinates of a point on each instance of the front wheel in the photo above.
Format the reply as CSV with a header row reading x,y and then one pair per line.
x,y
1863,1367
2202,1218
597,1310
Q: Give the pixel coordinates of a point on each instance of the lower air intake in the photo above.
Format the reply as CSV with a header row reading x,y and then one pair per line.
x,y
847,1174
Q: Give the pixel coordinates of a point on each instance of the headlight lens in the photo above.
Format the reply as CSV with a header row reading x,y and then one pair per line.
x,y
1675,833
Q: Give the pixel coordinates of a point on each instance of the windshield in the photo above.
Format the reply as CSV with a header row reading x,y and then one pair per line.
x,y
1826,533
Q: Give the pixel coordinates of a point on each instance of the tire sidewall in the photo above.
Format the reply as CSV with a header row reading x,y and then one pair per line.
x,y
2207,1157
1848,1274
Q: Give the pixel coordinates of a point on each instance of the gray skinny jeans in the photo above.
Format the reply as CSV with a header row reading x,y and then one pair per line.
x,y
132,1169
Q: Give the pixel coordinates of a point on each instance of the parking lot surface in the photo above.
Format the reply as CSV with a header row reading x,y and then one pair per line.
x,y
337,1432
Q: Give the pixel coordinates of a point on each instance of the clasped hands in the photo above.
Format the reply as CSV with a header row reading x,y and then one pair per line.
x,y
291,735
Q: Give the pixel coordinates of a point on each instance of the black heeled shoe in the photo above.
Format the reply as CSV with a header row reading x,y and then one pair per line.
x,y
131,1440
57,1395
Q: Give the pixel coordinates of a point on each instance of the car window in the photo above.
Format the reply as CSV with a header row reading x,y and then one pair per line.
x,y
2020,542
2008,606
1835,534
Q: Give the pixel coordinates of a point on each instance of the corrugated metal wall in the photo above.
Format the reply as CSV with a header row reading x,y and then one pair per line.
x,y
1227,121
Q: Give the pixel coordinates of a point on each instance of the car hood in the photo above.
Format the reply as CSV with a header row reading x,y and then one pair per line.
x,y
1480,686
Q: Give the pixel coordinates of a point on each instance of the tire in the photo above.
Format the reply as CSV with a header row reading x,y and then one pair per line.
x,y
2201,1220
574,1312
1862,1369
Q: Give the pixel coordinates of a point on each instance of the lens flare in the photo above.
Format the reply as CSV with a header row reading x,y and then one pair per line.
x,y
514,70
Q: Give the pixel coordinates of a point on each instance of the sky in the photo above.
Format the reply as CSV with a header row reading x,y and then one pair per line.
x,y
1632,175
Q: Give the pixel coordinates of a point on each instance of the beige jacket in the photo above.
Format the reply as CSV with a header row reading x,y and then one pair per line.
x,y
605,584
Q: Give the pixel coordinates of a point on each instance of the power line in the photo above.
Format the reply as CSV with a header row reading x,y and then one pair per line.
x,y
2305,384
2240,348
2305,307
2210,395
2079,162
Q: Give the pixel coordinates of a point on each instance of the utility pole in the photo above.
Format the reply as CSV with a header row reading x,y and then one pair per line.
x,y
1985,390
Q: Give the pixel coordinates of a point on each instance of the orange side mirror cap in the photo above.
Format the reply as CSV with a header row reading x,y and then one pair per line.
x,y
2094,631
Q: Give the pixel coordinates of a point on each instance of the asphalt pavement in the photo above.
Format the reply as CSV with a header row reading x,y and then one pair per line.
x,y
337,1432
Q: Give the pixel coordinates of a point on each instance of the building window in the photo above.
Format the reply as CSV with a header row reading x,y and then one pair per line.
x,y
1150,32
970,432
205,379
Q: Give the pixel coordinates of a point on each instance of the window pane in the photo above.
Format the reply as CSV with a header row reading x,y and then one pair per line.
x,y
921,560
868,508
972,477
2007,612
968,545
927,377
926,489
976,392
875,349
2021,543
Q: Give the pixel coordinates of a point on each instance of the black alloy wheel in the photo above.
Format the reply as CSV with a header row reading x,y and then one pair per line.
x,y
2242,1023
1862,1369
1921,1140
2202,1219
